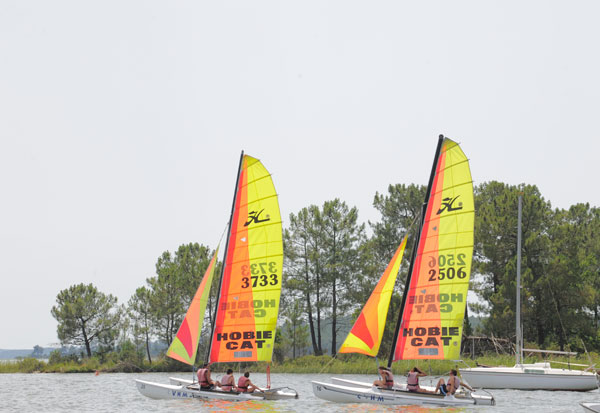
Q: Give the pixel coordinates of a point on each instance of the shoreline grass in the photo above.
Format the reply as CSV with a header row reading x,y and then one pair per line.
x,y
343,364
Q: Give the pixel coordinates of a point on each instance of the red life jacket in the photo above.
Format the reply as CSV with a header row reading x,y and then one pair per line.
x,y
413,378
202,373
243,384
227,384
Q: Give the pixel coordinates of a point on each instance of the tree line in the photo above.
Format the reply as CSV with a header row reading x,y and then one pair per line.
x,y
332,263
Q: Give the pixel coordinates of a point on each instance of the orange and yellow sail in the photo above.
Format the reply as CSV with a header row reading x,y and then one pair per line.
x,y
432,317
367,332
248,305
185,343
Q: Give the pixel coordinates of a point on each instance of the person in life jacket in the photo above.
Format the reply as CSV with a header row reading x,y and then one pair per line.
x,y
452,386
228,381
412,381
245,385
387,378
204,379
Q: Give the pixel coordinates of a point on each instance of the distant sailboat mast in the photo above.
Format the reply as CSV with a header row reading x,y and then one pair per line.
x,y
519,341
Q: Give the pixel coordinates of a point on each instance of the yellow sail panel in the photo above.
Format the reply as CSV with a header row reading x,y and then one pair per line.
x,y
431,324
185,343
251,285
365,336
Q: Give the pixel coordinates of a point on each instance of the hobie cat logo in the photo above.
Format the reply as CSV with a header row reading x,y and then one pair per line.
x,y
254,217
448,205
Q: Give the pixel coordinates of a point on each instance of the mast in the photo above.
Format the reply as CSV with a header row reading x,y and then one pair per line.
x,y
519,340
212,330
415,246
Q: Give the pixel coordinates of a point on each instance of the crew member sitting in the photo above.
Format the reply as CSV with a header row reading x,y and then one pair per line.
x,y
387,378
245,385
228,381
204,379
412,380
452,386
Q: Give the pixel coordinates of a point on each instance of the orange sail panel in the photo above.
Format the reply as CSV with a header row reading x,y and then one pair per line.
x,y
185,343
432,319
365,336
251,285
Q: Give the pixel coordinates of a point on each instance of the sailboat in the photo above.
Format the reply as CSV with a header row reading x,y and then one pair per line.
x,y
535,376
248,298
431,315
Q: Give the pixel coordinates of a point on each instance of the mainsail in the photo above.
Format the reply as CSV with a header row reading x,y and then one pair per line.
x,y
248,306
185,343
367,332
433,307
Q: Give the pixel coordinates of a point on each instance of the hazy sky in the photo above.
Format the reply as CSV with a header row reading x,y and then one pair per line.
x,y
121,122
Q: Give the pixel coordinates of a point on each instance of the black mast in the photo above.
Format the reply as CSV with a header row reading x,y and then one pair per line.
x,y
213,321
415,246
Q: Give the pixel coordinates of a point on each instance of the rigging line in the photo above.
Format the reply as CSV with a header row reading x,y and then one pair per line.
x,y
327,365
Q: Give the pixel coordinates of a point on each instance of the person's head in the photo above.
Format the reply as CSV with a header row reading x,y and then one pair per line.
x,y
229,371
453,372
247,374
206,366
415,369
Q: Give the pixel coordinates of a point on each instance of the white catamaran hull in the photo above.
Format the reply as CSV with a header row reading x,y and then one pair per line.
x,y
171,391
591,407
348,393
538,376
279,393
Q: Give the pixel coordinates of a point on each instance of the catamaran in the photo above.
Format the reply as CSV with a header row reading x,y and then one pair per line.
x,y
433,305
535,376
248,298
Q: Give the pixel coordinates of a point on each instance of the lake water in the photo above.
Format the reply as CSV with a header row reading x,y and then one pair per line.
x,y
117,393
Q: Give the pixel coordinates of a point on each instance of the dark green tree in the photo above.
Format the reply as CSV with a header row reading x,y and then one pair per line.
x,y
85,314
140,313
304,268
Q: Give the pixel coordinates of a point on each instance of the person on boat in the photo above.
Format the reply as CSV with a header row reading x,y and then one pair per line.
x,y
452,386
227,381
245,385
206,383
412,381
387,378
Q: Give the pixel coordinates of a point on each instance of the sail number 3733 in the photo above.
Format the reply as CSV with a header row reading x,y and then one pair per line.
x,y
450,272
259,274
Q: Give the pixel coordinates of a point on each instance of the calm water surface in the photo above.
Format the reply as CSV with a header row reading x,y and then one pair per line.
x,y
118,393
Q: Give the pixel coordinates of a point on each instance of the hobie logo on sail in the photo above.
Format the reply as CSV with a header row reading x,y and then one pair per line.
x,y
448,205
254,217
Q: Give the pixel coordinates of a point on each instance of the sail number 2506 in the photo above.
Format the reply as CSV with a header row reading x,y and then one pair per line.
x,y
259,274
450,272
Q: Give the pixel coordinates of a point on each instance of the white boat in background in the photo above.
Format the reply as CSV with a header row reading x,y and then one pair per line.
x,y
431,315
537,376
591,407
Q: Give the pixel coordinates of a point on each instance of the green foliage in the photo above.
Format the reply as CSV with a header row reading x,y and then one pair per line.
x,y
85,314
322,264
